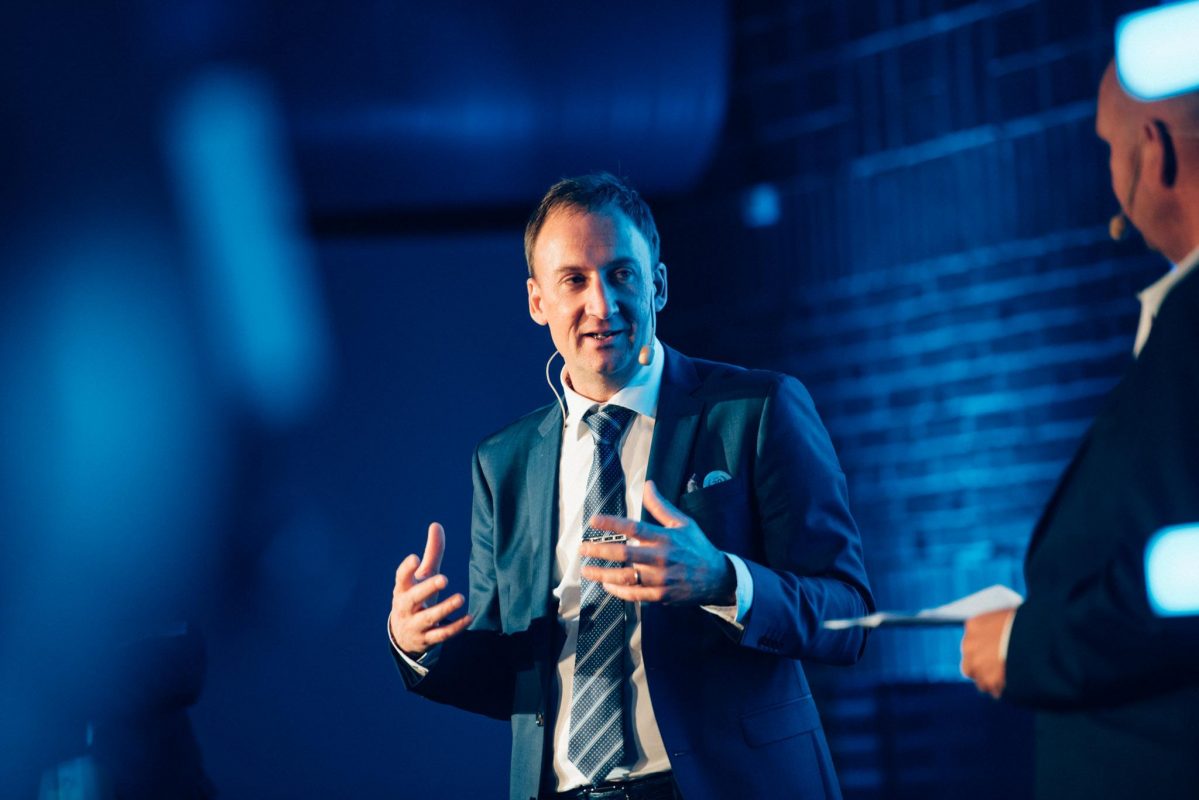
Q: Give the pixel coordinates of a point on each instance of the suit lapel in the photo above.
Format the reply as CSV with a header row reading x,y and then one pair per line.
x,y
541,495
675,426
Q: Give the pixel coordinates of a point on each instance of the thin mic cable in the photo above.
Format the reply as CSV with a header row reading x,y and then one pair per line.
x,y
1117,228
553,388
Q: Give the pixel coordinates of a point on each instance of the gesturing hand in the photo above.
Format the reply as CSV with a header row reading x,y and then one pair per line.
x,y
416,616
671,563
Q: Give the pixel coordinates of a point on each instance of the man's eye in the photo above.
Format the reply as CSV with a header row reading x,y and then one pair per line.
x,y
624,275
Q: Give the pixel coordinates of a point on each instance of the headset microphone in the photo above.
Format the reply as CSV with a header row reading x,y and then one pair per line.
x,y
553,388
1117,227
645,356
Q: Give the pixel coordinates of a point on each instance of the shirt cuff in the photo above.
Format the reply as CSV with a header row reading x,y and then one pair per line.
x,y
735,615
1006,637
420,666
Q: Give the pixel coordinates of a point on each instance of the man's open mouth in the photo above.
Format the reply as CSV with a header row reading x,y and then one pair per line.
x,y
602,337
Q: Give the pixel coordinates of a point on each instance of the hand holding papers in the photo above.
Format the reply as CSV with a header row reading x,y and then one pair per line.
x,y
993,598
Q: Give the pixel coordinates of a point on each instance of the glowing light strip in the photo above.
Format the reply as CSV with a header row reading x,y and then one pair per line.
x,y
1172,571
1156,53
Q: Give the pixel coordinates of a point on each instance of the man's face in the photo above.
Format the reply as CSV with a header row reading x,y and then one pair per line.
x,y
594,287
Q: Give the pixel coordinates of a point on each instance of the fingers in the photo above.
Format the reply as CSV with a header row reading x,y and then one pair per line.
x,y
987,685
636,594
414,571
636,534
430,563
622,582
989,679
627,575
439,635
625,527
610,551
626,553
417,620
422,594
416,630
662,509
432,616
980,663
405,573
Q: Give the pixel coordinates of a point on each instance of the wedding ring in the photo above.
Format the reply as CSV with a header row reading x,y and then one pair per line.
x,y
636,576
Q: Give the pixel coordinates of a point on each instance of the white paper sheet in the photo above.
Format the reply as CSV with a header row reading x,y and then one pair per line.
x,y
993,598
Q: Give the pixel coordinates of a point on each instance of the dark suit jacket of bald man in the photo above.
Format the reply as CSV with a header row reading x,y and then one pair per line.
x,y
734,709
1116,687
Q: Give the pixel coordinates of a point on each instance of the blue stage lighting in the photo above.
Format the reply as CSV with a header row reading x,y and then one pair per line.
x,y
761,206
1172,571
1156,55
266,315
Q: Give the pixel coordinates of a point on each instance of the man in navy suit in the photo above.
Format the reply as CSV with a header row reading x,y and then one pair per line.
x,y
1116,688
723,536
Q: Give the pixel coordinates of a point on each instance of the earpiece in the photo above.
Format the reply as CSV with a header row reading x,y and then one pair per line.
x,y
554,389
1169,160
645,356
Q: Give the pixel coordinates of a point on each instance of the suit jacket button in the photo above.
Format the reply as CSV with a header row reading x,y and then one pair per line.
x,y
540,720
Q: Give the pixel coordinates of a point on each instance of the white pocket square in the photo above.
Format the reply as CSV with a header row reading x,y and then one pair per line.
x,y
716,476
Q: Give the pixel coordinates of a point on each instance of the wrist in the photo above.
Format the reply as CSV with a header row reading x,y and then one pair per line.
x,y
395,642
726,586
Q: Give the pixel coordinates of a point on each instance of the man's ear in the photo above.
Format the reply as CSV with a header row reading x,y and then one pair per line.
x,y
1169,169
659,279
535,302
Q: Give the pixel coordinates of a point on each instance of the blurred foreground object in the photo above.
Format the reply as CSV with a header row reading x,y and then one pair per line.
x,y
1156,54
1172,571
140,742
132,359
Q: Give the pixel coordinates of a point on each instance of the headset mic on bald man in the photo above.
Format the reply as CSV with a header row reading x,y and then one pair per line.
x,y
1117,227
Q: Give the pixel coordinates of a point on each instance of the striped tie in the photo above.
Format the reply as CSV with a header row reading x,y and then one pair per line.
x,y
597,731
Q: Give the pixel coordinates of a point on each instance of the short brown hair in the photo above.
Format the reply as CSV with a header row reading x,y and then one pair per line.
x,y
597,191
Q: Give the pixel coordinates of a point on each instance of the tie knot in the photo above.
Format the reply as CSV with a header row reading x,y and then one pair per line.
x,y
607,422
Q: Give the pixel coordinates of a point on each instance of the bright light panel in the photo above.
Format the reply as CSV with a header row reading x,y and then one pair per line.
x,y
1172,571
1156,51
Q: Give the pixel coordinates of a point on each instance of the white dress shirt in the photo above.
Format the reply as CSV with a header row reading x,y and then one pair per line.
x,y
1152,296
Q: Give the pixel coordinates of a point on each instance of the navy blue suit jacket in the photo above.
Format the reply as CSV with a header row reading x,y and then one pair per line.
x,y
1117,688
734,709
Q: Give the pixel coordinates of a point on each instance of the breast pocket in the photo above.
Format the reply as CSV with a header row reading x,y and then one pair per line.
x,y
723,513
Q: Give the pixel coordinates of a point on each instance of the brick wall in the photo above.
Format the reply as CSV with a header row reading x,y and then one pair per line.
x,y
909,213
938,271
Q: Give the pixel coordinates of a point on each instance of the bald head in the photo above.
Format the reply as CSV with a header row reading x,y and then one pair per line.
x,y
1180,113
1154,163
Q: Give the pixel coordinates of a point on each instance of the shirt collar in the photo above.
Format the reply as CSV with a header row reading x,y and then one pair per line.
x,y
1154,294
640,394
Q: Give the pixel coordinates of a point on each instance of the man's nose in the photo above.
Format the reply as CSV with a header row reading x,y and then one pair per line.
x,y
601,299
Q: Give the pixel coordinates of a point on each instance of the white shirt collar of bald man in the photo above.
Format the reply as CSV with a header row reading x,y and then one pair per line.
x,y
1153,295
